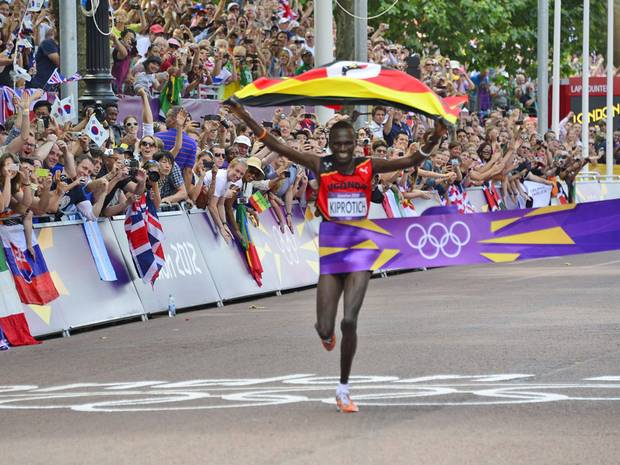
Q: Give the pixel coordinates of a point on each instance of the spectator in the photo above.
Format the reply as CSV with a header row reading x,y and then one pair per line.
x,y
47,59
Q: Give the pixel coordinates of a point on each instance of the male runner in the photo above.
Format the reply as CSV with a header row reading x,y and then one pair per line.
x,y
345,185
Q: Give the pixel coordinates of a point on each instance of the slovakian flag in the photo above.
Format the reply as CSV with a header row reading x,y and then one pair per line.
x,y
32,278
13,322
348,83
145,236
259,202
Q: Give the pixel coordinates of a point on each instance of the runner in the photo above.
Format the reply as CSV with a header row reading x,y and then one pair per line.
x,y
344,194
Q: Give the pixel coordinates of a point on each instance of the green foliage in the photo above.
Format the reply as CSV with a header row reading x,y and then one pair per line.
x,y
504,31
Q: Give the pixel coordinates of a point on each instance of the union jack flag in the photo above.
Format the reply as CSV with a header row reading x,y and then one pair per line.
x,y
145,236
57,78
458,197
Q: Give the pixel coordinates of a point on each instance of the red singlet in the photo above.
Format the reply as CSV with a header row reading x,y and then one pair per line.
x,y
344,197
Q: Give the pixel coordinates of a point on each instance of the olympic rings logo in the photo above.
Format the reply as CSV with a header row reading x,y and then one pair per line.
x,y
438,239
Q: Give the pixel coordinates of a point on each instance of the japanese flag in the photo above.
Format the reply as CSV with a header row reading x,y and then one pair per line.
x,y
95,130
35,5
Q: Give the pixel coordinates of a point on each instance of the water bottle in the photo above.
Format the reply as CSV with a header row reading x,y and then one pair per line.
x,y
4,344
172,308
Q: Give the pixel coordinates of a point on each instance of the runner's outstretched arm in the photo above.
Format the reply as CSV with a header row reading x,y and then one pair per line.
x,y
307,159
413,158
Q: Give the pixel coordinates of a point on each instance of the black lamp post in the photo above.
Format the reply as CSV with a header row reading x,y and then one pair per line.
x,y
98,80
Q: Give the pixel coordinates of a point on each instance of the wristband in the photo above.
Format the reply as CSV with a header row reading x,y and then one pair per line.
x,y
262,134
424,154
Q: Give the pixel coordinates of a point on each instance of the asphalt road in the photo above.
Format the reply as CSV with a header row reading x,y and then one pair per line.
x,y
502,364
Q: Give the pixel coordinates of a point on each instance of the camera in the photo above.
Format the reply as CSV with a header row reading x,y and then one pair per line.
x,y
366,141
208,164
133,166
455,162
99,112
152,171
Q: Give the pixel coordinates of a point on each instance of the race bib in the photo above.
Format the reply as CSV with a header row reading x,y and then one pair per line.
x,y
347,206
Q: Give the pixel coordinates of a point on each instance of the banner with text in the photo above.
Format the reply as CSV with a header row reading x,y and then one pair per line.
x,y
446,240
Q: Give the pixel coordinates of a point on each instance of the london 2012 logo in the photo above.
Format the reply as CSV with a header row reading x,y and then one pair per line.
x,y
438,238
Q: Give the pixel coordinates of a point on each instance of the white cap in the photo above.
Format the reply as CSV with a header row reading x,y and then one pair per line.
x,y
245,140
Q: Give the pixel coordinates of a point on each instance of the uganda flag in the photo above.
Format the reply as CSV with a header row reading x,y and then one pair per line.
x,y
348,83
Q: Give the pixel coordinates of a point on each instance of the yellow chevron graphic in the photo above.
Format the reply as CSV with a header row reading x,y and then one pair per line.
x,y
501,257
385,256
551,209
368,225
325,251
43,311
555,236
499,224
367,245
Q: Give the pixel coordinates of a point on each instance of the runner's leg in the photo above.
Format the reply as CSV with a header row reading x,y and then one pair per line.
x,y
328,294
355,285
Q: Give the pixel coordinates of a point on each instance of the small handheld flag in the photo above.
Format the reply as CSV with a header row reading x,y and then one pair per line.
x,y
259,202
95,130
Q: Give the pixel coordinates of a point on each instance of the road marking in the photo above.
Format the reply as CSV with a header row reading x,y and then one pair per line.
x,y
377,391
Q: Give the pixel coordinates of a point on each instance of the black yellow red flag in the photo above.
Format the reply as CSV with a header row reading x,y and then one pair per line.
x,y
349,83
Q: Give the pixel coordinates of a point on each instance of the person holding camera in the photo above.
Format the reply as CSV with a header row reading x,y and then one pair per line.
x,y
171,186
122,54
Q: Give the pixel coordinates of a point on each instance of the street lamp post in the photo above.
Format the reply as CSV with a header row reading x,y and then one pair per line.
x,y
98,80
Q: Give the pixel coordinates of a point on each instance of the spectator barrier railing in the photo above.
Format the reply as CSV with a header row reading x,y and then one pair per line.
x,y
201,269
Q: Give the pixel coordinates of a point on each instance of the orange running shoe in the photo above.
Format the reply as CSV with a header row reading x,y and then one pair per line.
x,y
328,343
345,404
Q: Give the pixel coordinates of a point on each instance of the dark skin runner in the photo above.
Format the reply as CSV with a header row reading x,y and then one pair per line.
x,y
353,285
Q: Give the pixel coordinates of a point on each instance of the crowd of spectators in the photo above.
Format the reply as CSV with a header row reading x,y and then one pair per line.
x,y
210,50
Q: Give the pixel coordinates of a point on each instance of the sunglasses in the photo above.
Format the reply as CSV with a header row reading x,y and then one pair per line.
x,y
147,144
131,125
218,155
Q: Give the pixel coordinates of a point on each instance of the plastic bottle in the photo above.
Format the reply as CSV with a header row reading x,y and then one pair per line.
x,y
172,308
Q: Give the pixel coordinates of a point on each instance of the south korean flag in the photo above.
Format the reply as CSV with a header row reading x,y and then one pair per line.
x,y
35,5
95,130
64,111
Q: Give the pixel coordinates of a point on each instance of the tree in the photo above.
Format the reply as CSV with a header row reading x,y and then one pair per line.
x,y
486,33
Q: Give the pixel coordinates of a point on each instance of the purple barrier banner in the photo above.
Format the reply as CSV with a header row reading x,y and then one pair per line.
x,y
447,240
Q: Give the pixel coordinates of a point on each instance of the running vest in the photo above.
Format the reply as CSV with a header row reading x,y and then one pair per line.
x,y
344,197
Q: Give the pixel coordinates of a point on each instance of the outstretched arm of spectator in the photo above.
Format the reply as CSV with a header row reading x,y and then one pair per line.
x,y
387,128
23,104
414,157
307,159
219,10
231,220
147,113
181,121
121,50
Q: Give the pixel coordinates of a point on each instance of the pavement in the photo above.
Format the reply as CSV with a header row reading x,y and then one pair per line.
x,y
497,364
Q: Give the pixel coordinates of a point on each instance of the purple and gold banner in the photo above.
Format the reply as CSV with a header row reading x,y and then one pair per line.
x,y
454,239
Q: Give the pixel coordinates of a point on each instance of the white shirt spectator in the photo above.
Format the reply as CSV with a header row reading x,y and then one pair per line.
x,y
222,184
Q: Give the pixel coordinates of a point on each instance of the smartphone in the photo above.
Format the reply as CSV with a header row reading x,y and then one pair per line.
x,y
41,172
268,124
287,174
211,117
14,167
308,115
455,162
